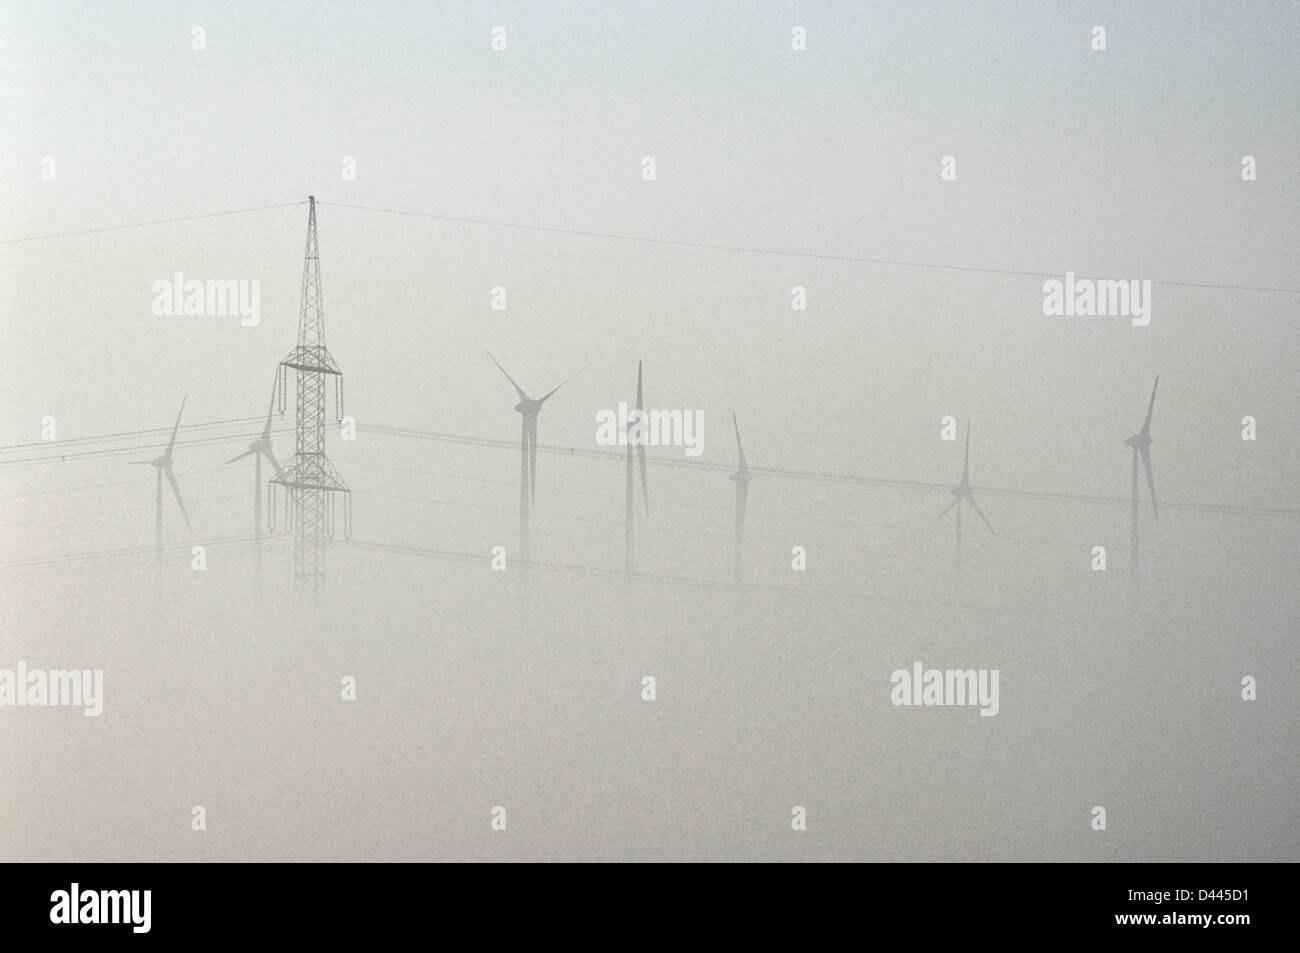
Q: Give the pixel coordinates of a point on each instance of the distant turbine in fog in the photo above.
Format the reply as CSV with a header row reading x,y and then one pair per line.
x,y
163,466
629,555
259,448
741,477
528,409
1141,444
962,493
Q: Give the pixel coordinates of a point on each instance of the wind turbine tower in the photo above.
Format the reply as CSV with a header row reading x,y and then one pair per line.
x,y
309,478
259,448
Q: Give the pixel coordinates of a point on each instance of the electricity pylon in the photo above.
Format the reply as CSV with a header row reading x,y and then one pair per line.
x,y
309,478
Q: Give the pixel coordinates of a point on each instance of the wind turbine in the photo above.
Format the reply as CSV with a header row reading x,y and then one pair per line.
x,y
741,478
637,437
528,409
163,465
1141,444
962,493
259,448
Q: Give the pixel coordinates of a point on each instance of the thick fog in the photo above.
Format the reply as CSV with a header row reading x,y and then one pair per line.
x,y
837,222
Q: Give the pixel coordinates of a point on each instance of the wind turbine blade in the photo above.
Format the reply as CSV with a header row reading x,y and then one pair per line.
x,y
176,491
518,390
246,453
742,504
640,397
1146,425
171,443
976,506
965,465
562,383
532,459
270,411
270,458
143,463
948,509
740,447
1151,480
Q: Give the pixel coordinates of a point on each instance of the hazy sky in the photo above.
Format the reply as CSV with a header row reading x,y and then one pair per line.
x,y
1124,162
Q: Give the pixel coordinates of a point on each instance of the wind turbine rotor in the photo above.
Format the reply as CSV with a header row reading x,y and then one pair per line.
x,y
523,395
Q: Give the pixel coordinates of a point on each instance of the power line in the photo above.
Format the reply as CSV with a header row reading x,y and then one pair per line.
x,y
934,533
797,524
159,221
107,483
49,562
691,532
44,561
783,253
817,476
662,578
96,438
651,240
102,514
608,455
138,448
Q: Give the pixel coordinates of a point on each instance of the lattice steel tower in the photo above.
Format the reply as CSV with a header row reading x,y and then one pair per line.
x,y
310,480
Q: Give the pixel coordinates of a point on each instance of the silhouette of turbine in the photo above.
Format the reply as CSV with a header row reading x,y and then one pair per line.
x,y
962,494
741,478
528,409
259,448
637,436
1141,444
163,467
